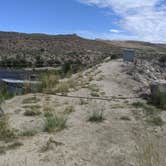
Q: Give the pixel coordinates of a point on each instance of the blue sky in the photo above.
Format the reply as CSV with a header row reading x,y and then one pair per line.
x,y
107,19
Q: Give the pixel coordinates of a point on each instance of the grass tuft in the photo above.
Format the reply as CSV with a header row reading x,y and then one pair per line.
x,y
96,116
54,123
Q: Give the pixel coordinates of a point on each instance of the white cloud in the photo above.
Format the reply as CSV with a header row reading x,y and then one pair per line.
x,y
115,31
143,18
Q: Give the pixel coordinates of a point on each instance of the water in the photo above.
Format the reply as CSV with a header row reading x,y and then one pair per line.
x,y
14,74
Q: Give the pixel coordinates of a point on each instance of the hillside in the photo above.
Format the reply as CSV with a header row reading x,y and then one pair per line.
x,y
27,50
143,49
50,50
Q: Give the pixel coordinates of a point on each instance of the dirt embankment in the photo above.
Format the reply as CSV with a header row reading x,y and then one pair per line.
x,y
97,132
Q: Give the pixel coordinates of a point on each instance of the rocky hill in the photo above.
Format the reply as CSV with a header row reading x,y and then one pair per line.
x,y
50,50
143,49
27,50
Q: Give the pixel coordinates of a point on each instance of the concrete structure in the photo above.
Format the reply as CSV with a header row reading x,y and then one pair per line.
x,y
129,55
14,85
158,92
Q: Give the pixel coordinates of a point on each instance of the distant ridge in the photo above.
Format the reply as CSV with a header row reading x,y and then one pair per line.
x,y
21,49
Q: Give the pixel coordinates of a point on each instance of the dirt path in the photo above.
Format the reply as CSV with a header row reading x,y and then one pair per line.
x,y
112,142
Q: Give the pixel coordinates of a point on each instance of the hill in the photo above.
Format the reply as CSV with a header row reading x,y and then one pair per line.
x,y
50,50
38,50
143,49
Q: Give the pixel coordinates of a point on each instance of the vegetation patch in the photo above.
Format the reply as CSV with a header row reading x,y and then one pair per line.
x,y
126,118
148,152
32,107
48,80
32,112
4,93
31,100
69,109
14,145
97,116
28,133
148,109
155,121
83,102
5,132
54,123
2,150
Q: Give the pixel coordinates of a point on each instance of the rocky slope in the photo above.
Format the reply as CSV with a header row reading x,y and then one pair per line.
x,y
22,50
50,50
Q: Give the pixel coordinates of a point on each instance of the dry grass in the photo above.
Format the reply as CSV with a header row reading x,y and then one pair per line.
x,y
54,123
148,153
32,112
97,114
5,132
31,100
68,110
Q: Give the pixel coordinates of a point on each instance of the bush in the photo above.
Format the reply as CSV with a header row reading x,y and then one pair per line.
x,y
54,123
97,116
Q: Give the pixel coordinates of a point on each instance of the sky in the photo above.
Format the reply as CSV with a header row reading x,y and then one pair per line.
x,y
143,20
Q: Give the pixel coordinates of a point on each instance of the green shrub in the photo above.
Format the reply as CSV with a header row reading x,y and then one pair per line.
x,y
155,120
97,116
149,109
54,123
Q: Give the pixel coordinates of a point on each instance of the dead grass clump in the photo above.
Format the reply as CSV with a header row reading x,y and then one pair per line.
x,y
148,154
62,87
68,110
32,107
83,102
126,118
48,80
14,145
31,100
2,150
5,132
32,112
65,86
95,94
97,114
28,133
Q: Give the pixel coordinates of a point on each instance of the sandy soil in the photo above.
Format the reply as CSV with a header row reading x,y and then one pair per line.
x,y
113,142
